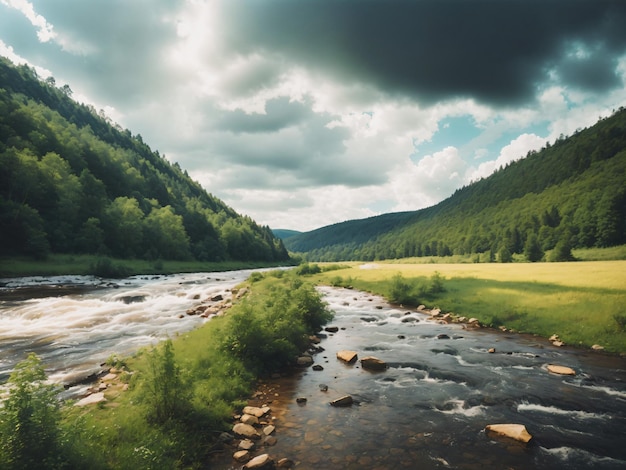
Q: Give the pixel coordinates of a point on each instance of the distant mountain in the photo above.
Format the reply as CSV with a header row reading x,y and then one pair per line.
x,y
72,182
283,234
570,194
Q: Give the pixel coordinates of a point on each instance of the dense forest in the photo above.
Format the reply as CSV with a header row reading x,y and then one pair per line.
x,y
571,194
73,182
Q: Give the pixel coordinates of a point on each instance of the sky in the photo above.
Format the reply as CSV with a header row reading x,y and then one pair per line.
x,y
305,113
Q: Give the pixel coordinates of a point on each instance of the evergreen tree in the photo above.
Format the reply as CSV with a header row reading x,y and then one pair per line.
x,y
532,248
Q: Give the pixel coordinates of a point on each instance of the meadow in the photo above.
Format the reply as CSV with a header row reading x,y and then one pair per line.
x,y
582,302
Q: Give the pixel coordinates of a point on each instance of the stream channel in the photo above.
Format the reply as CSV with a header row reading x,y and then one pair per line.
x,y
428,409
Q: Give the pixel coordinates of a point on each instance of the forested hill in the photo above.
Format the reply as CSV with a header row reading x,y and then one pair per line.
x,y
570,194
71,182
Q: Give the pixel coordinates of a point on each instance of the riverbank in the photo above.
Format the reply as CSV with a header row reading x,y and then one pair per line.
x,y
57,265
581,302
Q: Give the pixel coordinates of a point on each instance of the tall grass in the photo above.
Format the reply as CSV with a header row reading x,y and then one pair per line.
x,y
582,302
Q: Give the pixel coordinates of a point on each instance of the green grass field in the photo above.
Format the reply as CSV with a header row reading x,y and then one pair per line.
x,y
583,302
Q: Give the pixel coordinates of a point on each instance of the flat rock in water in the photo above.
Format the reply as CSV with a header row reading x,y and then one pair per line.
x,y
347,356
373,363
513,431
346,400
260,461
561,370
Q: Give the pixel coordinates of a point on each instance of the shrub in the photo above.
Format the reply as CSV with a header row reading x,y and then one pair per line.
x,y
307,269
104,267
29,419
165,392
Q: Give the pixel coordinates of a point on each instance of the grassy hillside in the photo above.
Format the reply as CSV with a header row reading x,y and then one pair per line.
x,y
72,182
569,195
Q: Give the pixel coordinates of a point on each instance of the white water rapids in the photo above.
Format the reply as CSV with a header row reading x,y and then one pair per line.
x,y
74,334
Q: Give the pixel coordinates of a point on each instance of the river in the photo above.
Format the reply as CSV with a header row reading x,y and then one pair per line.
x,y
428,409
75,323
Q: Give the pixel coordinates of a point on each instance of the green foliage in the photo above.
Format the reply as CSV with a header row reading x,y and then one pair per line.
x,y
620,319
72,183
105,267
308,269
532,249
165,392
414,291
269,328
562,252
574,189
29,420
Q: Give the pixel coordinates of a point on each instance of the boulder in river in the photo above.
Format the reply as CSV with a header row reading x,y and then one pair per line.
x,y
241,456
561,370
347,356
513,431
346,400
259,462
373,363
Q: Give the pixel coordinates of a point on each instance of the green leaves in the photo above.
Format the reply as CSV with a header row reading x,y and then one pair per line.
x,y
29,419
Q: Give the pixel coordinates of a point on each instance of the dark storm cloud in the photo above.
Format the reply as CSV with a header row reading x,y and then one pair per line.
x,y
495,51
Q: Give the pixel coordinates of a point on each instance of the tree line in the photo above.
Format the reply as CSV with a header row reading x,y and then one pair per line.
x,y
71,182
571,194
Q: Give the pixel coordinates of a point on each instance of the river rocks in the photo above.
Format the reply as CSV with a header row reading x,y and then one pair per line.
x,y
246,444
246,431
561,370
347,356
269,429
262,461
91,399
285,463
597,347
241,456
256,411
343,401
249,419
513,431
304,361
318,368
301,400
373,363
332,329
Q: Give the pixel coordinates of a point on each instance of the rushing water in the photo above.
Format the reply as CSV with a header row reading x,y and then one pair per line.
x,y
429,409
75,333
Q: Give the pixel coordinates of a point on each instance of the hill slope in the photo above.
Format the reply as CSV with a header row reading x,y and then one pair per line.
x,y
70,182
571,193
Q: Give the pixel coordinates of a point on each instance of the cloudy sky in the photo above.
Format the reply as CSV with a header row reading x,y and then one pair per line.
x,y
303,113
